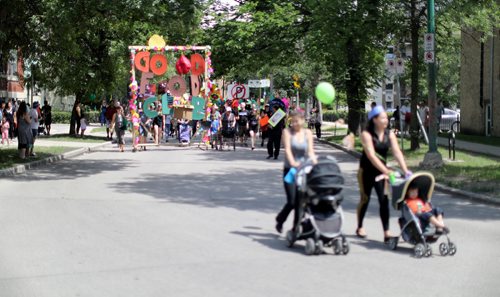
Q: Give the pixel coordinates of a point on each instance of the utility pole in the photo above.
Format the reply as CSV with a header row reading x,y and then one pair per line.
x,y
432,158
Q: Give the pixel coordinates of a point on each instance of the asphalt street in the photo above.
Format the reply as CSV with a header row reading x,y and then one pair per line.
x,y
186,222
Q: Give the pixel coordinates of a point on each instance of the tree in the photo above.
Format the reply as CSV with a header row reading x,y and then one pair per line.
x,y
81,46
345,38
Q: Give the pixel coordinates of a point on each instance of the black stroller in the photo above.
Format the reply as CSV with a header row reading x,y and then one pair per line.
x,y
412,230
320,195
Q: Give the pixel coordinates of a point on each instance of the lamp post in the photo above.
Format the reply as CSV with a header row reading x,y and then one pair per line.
x,y
432,158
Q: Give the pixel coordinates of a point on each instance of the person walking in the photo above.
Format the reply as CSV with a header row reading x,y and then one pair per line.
x,y
34,126
318,121
11,118
120,126
253,126
25,135
158,124
299,147
377,139
275,133
47,116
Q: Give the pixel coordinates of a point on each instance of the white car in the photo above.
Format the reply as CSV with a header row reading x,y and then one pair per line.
x,y
448,120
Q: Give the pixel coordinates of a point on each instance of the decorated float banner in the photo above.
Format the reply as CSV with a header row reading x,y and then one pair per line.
x,y
277,117
181,91
238,91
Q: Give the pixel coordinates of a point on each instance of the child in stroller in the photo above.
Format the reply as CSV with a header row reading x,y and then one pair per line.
x,y
421,223
318,207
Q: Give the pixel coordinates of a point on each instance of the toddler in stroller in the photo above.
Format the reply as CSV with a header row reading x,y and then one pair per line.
x,y
318,210
421,223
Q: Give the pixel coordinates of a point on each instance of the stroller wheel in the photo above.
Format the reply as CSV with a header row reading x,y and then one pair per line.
x,y
428,251
319,247
452,249
310,247
393,243
290,238
345,246
443,249
419,250
337,247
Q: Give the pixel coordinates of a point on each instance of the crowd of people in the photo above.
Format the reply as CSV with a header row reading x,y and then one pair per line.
x,y
23,123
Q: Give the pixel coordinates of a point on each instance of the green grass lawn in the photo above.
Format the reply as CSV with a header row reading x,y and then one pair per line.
x,y
65,137
10,157
471,172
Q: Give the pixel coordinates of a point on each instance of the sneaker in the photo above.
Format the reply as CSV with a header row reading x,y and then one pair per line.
x,y
269,157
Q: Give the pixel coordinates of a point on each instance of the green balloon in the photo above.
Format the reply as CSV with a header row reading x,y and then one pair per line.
x,y
325,92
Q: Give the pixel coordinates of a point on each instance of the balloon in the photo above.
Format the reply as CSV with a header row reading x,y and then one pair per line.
x,y
325,92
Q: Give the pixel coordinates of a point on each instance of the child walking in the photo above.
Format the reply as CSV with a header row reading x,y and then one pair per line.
x,y
5,130
83,125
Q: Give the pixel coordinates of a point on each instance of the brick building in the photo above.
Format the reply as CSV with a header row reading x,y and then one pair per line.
x,y
12,77
480,84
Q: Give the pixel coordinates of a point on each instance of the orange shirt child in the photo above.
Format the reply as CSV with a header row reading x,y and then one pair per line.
x,y
417,205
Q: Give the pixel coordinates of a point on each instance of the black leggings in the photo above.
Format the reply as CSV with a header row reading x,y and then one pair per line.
x,y
274,143
291,203
366,183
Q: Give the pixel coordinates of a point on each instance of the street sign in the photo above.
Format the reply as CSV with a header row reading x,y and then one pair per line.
x,y
400,66
238,91
259,83
429,42
429,57
391,65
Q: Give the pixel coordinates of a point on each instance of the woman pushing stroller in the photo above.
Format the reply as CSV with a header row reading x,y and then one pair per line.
x,y
298,147
377,139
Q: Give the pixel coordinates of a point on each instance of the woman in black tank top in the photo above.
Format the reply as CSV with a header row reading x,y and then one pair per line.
x,y
377,140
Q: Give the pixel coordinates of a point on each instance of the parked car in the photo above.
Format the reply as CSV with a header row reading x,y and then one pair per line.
x,y
448,119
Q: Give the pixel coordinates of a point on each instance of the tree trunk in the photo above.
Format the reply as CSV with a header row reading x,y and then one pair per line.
x,y
355,103
414,28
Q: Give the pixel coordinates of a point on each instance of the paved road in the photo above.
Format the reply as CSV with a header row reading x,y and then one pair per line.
x,y
185,222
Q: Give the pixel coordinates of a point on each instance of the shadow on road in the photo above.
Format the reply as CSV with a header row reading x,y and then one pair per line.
x,y
74,169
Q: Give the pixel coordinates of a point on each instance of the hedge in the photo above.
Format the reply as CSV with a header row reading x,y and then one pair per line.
x,y
333,116
64,117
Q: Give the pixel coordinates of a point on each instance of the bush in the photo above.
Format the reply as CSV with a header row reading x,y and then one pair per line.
x,y
332,115
61,117
64,117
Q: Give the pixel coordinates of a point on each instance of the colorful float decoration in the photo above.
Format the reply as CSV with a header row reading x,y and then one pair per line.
x,y
185,95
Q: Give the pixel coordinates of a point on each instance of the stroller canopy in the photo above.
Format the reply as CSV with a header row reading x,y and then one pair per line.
x,y
324,177
424,181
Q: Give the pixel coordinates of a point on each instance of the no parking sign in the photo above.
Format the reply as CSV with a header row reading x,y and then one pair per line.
x,y
238,91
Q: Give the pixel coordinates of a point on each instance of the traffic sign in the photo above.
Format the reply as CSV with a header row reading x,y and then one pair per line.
x,y
391,65
238,91
429,42
429,57
259,83
400,66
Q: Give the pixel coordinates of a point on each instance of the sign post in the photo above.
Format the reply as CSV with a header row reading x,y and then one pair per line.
x,y
432,158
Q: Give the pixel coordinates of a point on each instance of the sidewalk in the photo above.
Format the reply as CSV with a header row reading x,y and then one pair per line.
x,y
472,147
75,148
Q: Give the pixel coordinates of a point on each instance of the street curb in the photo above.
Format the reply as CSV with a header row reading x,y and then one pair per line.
x,y
22,168
440,187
